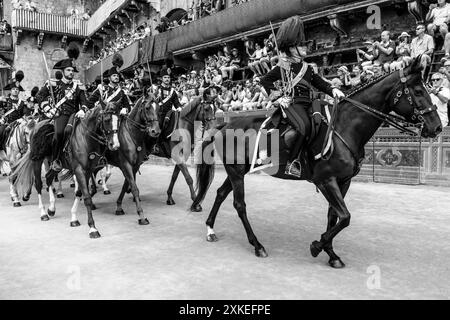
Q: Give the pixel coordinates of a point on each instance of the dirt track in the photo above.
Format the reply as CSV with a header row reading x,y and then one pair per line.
x,y
400,231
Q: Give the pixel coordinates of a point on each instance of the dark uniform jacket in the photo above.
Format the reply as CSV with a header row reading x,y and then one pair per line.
x,y
76,98
167,97
301,91
109,94
13,108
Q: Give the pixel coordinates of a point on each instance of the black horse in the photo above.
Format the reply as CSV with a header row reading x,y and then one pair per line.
x,y
402,92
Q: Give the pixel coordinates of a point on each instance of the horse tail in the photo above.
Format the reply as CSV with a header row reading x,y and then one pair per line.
x,y
22,174
205,176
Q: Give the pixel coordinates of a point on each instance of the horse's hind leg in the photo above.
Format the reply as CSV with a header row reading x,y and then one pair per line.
x,y
222,194
119,209
236,175
176,171
14,195
338,219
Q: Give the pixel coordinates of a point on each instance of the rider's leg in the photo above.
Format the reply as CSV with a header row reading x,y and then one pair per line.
x,y
58,141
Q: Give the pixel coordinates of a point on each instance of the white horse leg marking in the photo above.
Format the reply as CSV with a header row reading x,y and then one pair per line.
x,y
115,125
74,209
41,206
105,174
92,230
210,231
51,207
13,193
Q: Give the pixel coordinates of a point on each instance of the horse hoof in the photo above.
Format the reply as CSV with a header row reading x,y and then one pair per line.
x,y
261,253
72,185
143,222
212,238
315,248
16,204
170,202
336,263
106,192
45,218
197,208
60,195
75,223
26,198
51,213
94,235
120,212
93,207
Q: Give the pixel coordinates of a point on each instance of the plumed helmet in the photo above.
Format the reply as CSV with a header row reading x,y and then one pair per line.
x,y
291,33
73,53
15,83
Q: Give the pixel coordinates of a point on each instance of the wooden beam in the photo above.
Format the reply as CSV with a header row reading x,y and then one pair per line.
x,y
85,45
64,42
337,24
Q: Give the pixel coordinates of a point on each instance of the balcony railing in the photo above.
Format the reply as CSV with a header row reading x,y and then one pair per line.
x,y
49,23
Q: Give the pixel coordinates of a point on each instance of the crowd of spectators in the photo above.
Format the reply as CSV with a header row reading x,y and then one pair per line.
x,y
120,43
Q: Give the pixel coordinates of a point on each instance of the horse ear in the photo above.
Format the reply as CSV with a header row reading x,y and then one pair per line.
x,y
416,66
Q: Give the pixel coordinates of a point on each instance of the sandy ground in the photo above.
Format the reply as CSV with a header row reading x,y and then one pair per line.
x,y
396,246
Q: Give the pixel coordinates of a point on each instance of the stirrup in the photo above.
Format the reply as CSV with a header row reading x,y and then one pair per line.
x,y
294,168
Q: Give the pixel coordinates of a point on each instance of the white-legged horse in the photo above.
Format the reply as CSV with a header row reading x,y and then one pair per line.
x,y
15,147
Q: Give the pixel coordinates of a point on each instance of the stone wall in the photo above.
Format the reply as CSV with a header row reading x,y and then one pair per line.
x,y
29,59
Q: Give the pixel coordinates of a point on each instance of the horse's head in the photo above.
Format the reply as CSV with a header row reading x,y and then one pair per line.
x,y
410,99
109,124
149,115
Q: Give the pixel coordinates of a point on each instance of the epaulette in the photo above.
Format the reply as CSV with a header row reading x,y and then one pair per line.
x,y
52,82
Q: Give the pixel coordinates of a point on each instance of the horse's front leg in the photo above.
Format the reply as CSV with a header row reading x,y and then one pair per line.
x,y
59,191
76,202
338,219
83,182
129,174
105,174
14,195
190,182
119,209
176,171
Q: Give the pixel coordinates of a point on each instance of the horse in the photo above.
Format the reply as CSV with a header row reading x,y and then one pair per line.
x,y
133,129
15,146
184,129
354,123
85,147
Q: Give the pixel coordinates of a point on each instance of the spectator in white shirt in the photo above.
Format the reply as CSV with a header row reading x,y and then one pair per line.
x,y
440,15
422,45
440,96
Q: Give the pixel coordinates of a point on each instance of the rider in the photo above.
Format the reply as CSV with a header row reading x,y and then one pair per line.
x,y
300,76
167,98
69,99
112,92
12,108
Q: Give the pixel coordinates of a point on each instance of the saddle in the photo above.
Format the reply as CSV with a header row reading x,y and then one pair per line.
x,y
314,127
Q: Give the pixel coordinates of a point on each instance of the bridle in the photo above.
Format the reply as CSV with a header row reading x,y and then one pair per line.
x,y
148,122
399,89
101,138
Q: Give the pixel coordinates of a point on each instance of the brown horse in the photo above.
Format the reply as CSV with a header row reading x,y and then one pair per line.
x,y
199,113
87,144
354,124
134,129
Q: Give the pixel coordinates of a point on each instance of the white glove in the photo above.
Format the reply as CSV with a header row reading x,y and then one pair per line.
x,y
338,93
2,121
123,112
80,114
285,102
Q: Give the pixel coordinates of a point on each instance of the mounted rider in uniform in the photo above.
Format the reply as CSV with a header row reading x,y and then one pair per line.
x,y
300,78
112,92
12,108
69,98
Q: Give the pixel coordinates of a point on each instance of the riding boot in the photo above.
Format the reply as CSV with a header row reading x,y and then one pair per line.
x,y
294,142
